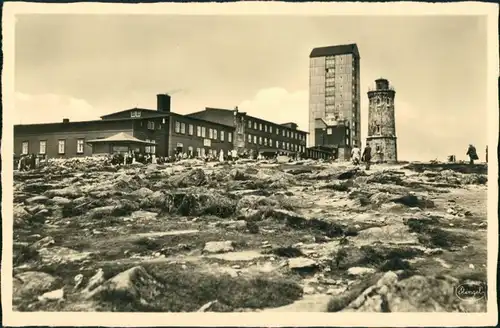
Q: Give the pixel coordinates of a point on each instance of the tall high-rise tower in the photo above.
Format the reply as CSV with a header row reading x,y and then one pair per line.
x,y
334,89
382,122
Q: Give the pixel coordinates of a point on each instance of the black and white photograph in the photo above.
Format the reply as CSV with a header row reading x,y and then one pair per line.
x,y
250,160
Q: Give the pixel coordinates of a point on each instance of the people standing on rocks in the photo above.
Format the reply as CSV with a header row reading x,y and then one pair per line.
x,y
471,152
367,156
221,156
355,155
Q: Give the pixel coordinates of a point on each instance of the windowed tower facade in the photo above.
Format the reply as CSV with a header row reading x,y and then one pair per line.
x,y
382,122
334,77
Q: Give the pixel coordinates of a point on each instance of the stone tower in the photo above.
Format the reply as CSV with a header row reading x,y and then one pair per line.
x,y
382,123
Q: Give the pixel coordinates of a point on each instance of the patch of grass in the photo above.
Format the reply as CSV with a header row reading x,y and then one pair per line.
x,y
463,276
329,229
186,290
414,201
395,264
188,204
433,236
147,243
252,227
421,225
23,253
387,259
438,237
71,210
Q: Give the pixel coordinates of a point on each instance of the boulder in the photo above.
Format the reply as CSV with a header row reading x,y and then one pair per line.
x,y
100,212
414,201
239,175
215,247
133,285
20,216
359,271
192,178
143,215
157,199
55,295
61,201
142,192
44,242
302,263
33,283
414,294
37,200
95,281
58,254
68,192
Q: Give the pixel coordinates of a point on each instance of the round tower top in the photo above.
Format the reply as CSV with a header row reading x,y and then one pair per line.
x,y
382,84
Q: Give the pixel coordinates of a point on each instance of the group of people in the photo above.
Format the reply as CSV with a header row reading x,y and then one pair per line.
x,y
231,156
28,162
366,157
356,156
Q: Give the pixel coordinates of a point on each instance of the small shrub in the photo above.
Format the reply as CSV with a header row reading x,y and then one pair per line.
x,y
70,210
23,253
287,251
252,227
147,243
395,264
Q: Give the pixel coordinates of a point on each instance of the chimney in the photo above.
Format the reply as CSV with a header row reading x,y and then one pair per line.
x,y
65,120
163,103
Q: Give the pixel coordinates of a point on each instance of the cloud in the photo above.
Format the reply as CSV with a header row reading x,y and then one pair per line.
x,y
279,105
48,108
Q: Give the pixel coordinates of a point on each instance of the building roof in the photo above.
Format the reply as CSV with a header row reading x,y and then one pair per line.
x,y
121,137
199,119
224,110
343,49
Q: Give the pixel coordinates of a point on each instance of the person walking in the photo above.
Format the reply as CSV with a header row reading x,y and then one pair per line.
x,y
355,155
367,156
472,153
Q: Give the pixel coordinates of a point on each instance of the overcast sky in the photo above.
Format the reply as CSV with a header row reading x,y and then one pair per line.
x,y
84,66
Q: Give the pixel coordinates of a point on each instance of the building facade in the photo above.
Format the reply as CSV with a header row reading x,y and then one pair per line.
x,y
334,80
169,132
334,135
382,122
255,134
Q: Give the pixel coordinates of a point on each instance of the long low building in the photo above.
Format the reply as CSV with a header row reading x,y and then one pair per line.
x,y
164,133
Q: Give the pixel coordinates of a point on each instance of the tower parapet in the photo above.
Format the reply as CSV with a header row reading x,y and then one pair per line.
x,y
382,122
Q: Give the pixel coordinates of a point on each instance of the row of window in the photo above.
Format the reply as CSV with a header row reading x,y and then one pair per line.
x,y
316,154
269,128
379,101
330,131
252,139
61,147
201,131
150,149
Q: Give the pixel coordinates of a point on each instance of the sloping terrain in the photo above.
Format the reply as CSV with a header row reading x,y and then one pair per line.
x,y
192,236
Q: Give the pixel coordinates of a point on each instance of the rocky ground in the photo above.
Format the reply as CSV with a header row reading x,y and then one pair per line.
x,y
305,236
